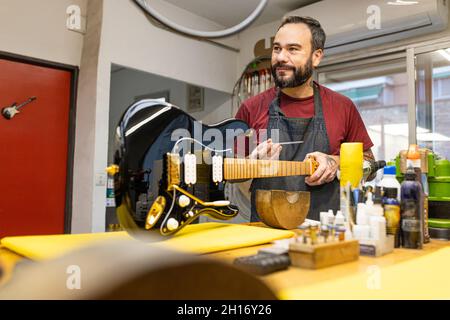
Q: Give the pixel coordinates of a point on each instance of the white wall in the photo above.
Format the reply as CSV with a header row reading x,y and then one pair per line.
x,y
38,29
129,39
86,126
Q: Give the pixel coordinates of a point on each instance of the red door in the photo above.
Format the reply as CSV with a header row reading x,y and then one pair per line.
x,y
33,149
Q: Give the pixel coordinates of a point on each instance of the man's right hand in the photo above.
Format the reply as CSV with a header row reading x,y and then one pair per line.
x,y
266,150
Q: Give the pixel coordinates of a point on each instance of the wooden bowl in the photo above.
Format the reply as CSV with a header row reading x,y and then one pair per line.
x,y
282,209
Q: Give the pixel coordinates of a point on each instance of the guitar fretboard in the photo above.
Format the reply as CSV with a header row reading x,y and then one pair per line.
x,y
236,169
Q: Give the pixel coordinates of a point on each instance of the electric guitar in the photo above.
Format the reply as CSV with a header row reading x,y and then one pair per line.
x,y
169,169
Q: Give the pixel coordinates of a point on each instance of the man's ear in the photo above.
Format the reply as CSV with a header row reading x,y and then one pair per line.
x,y
317,57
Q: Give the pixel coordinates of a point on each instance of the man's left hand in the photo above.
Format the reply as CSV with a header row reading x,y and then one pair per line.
x,y
326,172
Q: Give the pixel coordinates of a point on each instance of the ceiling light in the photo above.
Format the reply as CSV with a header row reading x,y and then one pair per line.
x,y
402,3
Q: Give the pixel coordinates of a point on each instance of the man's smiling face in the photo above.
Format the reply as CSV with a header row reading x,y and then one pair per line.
x,y
292,57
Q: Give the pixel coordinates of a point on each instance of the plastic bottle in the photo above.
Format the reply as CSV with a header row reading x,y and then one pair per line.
x,y
389,180
411,217
392,214
324,218
378,228
339,220
330,217
413,159
373,208
361,215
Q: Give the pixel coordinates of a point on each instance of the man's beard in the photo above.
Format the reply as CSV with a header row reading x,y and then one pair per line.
x,y
299,77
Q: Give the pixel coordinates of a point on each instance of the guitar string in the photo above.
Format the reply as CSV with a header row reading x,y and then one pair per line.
x,y
224,150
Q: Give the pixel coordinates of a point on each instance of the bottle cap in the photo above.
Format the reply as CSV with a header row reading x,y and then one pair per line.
x,y
390,170
413,152
410,174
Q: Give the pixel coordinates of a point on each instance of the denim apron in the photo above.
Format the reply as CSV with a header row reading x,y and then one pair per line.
x,y
313,133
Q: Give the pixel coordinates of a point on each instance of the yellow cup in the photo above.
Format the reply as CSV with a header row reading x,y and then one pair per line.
x,y
351,158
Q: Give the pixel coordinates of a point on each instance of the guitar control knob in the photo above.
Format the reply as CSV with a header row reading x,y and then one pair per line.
x,y
183,201
172,224
191,214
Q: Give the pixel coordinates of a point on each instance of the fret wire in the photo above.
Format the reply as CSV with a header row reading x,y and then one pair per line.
x,y
253,169
239,169
246,168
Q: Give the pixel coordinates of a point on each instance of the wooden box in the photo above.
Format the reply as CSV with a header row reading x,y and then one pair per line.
x,y
323,255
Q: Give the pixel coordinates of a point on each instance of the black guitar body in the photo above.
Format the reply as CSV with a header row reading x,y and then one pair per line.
x,y
150,188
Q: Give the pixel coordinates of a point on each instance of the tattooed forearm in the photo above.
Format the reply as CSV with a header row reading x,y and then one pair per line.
x,y
331,162
368,155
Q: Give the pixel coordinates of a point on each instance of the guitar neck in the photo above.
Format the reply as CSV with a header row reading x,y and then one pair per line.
x,y
237,169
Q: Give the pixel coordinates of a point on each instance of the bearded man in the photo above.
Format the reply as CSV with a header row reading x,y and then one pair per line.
x,y
299,109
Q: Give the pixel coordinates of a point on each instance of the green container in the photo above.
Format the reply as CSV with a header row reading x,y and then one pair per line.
x,y
439,223
439,183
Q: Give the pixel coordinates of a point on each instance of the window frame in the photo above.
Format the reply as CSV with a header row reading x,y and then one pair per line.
x,y
377,56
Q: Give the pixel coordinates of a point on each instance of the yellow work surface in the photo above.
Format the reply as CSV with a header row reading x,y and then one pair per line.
x,y
426,277
403,274
197,238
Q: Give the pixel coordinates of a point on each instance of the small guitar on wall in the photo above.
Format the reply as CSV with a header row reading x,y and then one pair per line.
x,y
158,186
11,111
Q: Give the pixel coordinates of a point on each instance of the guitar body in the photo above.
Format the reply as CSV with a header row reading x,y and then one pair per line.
x,y
154,188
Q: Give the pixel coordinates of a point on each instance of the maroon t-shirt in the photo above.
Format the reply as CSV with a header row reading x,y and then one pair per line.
x,y
342,119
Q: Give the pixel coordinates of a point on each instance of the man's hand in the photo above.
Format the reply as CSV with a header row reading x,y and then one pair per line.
x,y
266,150
326,172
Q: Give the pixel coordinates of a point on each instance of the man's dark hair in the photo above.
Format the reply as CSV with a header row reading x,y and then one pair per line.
x,y
318,36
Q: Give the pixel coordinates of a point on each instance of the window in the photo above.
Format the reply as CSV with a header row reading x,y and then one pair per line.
x,y
379,91
433,101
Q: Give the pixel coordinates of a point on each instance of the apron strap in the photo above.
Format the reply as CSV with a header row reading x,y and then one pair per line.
x,y
318,111
275,109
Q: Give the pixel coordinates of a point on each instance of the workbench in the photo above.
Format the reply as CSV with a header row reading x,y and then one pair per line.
x,y
403,274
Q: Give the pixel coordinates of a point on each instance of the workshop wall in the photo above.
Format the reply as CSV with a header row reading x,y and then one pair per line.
x,y
128,38
87,101
38,29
